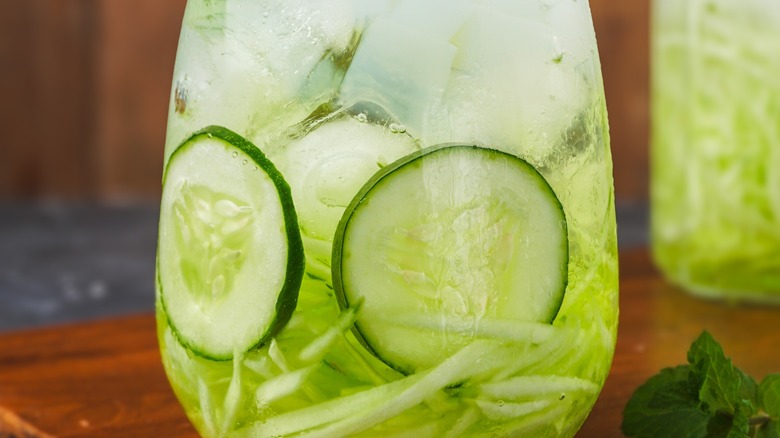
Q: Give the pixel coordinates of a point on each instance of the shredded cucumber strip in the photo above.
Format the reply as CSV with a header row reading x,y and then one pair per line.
x,y
281,379
281,386
360,356
526,332
206,413
233,395
530,387
531,426
722,154
330,411
260,366
451,371
462,424
561,354
317,348
284,378
362,410
503,411
277,357
317,267
536,353
430,429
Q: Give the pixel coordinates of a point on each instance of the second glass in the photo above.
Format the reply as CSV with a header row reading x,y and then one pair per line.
x,y
716,146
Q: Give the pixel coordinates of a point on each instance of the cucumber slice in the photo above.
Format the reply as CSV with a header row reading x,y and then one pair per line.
x,y
230,257
456,234
329,162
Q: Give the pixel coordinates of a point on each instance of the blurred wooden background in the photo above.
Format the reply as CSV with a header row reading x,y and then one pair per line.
x,y
84,88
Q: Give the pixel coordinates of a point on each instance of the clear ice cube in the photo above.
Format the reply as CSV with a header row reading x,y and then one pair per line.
x,y
404,58
243,66
512,87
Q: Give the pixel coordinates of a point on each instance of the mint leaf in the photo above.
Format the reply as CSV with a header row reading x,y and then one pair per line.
x,y
709,398
723,425
769,394
748,390
719,426
717,378
666,406
740,427
769,430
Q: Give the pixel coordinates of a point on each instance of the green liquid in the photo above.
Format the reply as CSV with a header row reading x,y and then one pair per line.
x,y
315,378
543,385
716,147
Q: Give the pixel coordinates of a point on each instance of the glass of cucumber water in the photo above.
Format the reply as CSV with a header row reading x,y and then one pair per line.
x,y
387,218
716,146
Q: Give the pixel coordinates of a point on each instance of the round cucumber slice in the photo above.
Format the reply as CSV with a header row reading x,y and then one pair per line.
x,y
454,236
329,164
230,257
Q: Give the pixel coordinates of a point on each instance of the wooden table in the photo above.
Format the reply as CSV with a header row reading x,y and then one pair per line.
x,y
105,379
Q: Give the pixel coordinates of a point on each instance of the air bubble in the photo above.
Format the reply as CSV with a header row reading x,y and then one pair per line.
x,y
234,154
362,118
397,128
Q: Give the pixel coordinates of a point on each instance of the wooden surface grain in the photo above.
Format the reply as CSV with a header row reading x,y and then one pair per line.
x,y
101,379
105,378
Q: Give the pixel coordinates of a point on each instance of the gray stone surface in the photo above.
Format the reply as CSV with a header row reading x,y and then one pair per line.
x,y
62,262
65,262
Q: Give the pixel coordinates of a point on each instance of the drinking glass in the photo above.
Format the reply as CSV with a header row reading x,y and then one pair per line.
x,y
716,146
387,218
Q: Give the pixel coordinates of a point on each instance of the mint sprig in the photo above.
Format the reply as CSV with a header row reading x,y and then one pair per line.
x,y
707,398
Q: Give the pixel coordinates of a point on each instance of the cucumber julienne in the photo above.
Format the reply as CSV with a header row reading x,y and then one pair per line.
x,y
444,243
230,258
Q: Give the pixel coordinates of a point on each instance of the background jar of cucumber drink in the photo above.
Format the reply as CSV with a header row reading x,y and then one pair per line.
x,y
716,146
387,218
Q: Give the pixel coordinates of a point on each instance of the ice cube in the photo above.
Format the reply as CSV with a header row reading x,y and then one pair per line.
x,y
244,65
366,10
400,68
511,88
289,37
573,29
569,20
440,19
529,10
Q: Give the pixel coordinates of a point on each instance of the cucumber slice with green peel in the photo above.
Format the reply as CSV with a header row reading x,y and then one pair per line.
x,y
328,166
230,258
452,233
329,163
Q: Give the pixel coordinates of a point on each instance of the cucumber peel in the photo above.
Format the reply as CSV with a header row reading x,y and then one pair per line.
x,y
230,257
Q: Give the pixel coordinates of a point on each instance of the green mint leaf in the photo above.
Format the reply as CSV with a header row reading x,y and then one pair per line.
x,y
717,378
723,425
720,426
666,406
769,430
709,398
748,390
769,394
740,426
